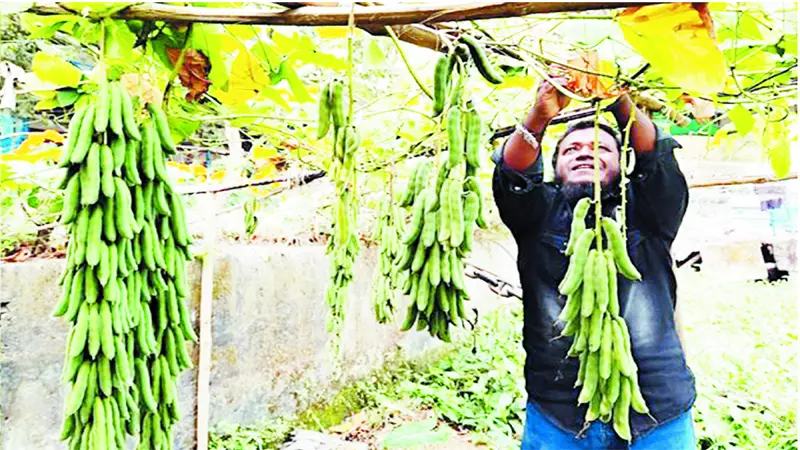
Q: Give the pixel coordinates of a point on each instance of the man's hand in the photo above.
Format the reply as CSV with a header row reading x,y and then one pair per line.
x,y
518,154
549,102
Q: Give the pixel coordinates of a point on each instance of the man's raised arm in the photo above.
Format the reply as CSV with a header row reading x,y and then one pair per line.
x,y
643,131
660,186
518,154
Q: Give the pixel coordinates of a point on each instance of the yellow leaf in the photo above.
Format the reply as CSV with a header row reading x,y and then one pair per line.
x,y
177,165
181,167
230,44
249,70
677,42
29,144
47,103
54,136
5,171
218,175
43,95
275,95
265,171
520,82
332,32
198,171
10,185
260,152
367,142
261,191
243,32
247,78
51,154
55,70
718,136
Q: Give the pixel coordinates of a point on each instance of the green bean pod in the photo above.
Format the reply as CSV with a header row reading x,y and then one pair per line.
x,y
578,223
588,298
440,84
621,257
575,271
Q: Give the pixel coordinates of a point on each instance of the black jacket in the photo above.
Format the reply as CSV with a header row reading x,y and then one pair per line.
x,y
539,217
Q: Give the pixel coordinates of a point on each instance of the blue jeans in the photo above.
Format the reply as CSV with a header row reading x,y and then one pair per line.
x,y
541,434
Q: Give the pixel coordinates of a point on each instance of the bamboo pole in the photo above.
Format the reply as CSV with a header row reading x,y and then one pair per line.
x,y
205,336
328,15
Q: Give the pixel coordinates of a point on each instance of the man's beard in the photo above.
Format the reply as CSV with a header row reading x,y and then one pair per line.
x,y
572,192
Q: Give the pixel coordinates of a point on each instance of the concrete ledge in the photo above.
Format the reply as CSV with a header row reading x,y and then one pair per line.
x,y
270,352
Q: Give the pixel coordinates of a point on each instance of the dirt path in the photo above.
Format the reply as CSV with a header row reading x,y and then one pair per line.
x,y
369,429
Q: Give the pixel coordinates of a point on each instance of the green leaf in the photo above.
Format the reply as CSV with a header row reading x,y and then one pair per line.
x,y
272,94
33,200
46,103
66,97
119,40
742,118
166,39
751,58
264,52
748,27
286,72
32,23
320,59
208,38
374,56
245,33
180,129
788,44
55,70
87,31
414,434
46,26
159,48
777,146
286,44
6,171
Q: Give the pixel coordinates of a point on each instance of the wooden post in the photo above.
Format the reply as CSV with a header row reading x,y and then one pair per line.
x,y
206,297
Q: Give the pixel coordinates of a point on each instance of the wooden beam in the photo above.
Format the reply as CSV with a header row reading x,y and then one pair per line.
x,y
211,189
738,181
418,35
431,37
327,15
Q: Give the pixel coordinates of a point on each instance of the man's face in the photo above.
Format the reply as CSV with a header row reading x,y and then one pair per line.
x,y
575,162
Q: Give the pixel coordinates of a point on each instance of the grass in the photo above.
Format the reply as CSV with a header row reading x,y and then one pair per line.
x,y
741,345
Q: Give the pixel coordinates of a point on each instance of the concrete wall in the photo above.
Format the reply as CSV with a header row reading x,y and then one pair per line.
x,y
270,344
728,224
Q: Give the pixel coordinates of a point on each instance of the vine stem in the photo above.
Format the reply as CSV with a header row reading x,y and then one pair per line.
x,y
103,44
178,65
598,209
623,173
351,29
396,41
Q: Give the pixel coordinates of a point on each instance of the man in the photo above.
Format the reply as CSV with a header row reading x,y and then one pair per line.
x,y
538,214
